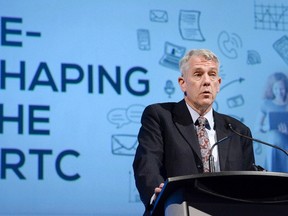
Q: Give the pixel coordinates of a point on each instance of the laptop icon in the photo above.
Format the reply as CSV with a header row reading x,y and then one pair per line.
x,y
172,56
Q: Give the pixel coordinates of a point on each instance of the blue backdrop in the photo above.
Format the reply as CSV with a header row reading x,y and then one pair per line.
x,y
76,75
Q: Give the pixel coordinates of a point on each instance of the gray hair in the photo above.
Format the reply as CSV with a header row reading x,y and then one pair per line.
x,y
207,54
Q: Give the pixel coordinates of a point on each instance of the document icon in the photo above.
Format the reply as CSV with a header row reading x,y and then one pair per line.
x,y
189,26
158,16
124,144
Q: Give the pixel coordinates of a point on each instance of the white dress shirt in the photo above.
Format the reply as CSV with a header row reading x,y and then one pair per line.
x,y
211,133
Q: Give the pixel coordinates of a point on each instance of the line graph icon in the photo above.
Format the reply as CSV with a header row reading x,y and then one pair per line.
x,y
271,17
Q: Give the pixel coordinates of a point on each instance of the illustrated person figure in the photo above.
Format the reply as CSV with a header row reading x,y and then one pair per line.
x,y
168,139
276,101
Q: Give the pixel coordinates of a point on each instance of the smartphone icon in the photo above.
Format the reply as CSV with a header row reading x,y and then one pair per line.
x,y
143,37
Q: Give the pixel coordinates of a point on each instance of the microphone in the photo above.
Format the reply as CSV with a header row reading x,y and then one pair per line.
x,y
211,157
257,140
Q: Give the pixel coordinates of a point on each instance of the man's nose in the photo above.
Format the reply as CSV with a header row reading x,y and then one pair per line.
x,y
206,78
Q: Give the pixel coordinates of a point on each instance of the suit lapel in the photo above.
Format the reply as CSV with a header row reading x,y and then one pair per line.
x,y
185,125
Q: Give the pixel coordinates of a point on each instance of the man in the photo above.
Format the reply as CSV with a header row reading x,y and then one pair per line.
x,y
169,142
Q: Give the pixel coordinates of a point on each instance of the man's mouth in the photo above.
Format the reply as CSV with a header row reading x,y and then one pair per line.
x,y
206,92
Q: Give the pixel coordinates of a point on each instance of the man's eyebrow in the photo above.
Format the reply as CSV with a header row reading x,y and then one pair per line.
x,y
210,69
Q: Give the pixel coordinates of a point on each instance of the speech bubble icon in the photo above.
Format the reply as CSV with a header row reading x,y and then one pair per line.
x,y
134,112
118,117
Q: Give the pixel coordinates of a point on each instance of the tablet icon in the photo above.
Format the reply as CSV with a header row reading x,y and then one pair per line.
x,y
276,119
281,47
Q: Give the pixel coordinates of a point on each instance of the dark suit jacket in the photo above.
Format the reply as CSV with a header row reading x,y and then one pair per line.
x,y
168,146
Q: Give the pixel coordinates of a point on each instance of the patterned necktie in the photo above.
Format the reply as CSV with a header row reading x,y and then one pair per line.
x,y
204,142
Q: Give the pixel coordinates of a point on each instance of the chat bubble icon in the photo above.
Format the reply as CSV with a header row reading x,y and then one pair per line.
x,y
121,116
118,117
134,113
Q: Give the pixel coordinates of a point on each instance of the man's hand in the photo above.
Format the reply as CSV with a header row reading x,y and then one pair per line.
x,y
157,191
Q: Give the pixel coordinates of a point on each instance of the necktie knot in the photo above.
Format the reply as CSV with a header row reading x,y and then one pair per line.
x,y
203,122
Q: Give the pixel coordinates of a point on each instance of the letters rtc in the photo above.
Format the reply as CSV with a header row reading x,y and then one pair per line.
x,y
71,69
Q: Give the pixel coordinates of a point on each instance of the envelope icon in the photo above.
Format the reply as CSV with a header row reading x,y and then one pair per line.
x,y
158,16
124,144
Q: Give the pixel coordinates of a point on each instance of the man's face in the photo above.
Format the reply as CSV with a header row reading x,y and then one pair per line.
x,y
201,82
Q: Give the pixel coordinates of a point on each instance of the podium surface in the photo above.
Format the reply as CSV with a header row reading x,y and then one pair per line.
x,y
224,193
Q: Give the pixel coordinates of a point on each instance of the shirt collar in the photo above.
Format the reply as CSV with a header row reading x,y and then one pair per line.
x,y
195,115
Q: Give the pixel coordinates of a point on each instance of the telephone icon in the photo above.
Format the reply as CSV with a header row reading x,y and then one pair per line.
x,y
229,44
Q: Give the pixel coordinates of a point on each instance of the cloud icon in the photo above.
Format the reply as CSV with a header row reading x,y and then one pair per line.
x,y
122,116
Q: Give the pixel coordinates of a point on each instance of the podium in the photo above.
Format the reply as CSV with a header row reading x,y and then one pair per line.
x,y
224,193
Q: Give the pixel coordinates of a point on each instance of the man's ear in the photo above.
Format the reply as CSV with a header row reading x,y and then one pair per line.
x,y
182,83
219,81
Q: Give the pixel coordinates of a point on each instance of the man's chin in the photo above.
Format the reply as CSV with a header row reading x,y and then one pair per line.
x,y
206,101
207,104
